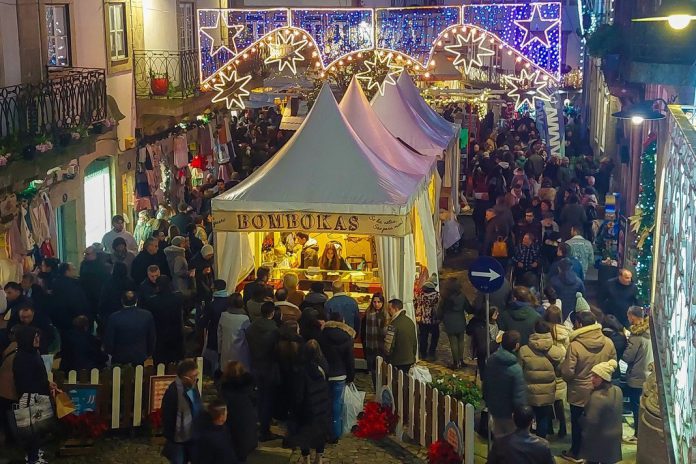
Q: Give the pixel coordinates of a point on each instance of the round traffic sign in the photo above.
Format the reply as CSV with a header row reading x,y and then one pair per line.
x,y
486,274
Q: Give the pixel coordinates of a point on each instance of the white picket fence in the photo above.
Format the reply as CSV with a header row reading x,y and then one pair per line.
x,y
423,411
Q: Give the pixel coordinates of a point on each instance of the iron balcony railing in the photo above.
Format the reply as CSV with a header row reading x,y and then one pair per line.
x,y
407,3
166,73
69,97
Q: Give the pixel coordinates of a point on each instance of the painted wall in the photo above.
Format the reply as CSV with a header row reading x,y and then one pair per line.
x,y
9,44
160,28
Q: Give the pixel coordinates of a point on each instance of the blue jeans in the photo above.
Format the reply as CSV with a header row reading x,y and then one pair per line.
x,y
336,389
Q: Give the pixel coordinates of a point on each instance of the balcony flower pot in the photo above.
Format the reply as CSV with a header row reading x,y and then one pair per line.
x,y
159,85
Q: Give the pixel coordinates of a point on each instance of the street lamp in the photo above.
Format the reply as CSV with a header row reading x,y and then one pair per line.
x,y
677,13
641,111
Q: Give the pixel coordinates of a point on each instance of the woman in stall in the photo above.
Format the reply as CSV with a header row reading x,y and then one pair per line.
x,y
331,260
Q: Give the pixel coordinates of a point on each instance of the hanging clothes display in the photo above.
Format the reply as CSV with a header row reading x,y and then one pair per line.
x,y
26,237
50,217
205,146
180,151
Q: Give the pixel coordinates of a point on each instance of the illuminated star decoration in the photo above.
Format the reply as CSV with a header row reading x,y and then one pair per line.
x,y
218,45
536,33
285,51
528,88
380,72
464,44
231,89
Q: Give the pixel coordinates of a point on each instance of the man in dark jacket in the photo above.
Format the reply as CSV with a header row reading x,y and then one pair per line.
x,y
620,294
150,255
211,317
130,333
148,287
68,299
401,340
80,349
181,409
336,343
262,275
519,315
344,305
167,309
521,447
261,337
504,388
27,316
94,272
16,300
215,445
181,219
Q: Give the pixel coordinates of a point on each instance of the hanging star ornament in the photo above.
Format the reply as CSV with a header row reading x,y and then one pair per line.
x,y
528,88
469,46
231,89
219,44
536,27
380,72
286,52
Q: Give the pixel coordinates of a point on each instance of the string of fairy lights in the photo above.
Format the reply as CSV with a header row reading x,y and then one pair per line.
x,y
395,45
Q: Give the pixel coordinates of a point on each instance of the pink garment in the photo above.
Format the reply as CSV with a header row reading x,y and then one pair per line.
x,y
180,151
14,242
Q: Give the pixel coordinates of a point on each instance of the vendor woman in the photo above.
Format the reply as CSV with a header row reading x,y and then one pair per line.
x,y
331,260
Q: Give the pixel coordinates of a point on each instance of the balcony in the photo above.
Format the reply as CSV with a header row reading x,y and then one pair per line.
x,y
70,97
166,74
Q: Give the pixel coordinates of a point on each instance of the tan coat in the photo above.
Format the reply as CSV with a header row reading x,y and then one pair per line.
x,y
540,360
562,341
7,383
588,347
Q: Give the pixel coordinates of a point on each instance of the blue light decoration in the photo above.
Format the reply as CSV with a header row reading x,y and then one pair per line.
x,y
337,32
413,31
508,22
531,30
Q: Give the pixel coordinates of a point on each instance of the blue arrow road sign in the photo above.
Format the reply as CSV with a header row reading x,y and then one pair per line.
x,y
486,274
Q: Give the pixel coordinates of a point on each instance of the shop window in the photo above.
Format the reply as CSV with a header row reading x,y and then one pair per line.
x,y
58,35
118,39
97,201
184,20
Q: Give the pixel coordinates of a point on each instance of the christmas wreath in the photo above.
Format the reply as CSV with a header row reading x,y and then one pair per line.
x,y
375,422
442,452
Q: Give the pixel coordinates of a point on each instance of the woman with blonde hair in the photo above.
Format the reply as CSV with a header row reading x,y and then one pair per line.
x,y
290,282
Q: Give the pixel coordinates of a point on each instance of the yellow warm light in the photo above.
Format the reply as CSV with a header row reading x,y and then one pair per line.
x,y
678,21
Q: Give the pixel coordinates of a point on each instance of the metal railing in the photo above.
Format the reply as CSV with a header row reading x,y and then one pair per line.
x,y
68,98
166,73
407,3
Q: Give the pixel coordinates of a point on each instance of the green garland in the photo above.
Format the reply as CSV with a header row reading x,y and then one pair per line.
x,y
646,205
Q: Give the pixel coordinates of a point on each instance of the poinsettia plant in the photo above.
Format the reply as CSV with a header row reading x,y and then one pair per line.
x,y
375,422
441,452
154,420
88,425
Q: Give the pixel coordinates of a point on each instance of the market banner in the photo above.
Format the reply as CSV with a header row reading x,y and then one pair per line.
x,y
549,121
357,224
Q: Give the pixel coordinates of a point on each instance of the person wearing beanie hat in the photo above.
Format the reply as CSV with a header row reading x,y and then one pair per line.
x,y
602,422
182,277
121,254
581,303
178,241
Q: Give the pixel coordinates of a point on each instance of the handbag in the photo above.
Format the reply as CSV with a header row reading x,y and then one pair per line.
x,y
32,418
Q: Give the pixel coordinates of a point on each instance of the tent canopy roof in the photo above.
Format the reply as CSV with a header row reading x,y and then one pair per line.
x,y
372,132
412,95
326,168
406,124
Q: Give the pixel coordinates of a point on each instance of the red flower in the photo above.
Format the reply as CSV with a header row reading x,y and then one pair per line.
x,y
375,422
442,452
87,425
155,419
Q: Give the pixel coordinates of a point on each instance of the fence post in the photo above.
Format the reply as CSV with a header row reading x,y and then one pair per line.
x,y
469,435
72,377
94,376
411,407
378,375
116,398
400,405
161,369
448,409
423,414
199,363
460,418
434,415
390,377
138,396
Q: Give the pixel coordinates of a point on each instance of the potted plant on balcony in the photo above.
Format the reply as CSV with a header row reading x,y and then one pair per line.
x,y
159,83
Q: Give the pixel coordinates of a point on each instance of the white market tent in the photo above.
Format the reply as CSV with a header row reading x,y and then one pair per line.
x,y
366,124
327,178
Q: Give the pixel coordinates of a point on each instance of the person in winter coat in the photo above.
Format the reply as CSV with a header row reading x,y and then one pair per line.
x,y
30,377
182,276
130,333
401,342
521,447
290,282
602,419
215,443
581,249
504,387
614,331
588,347
167,309
212,310
120,254
476,330
112,291
237,389
288,354
94,272
620,294
336,343
520,314
261,336
231,333
151,255
638,356
561,339
311,404
563,253
287,311
572,216
343,304
316,296
540,360
313,317
67,299
452,310
426,304
372,332
181,409
80,349
28,316
261,282
148,287
567,286
310,251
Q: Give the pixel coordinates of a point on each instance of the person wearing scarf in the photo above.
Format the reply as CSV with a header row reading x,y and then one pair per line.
x,y
181,407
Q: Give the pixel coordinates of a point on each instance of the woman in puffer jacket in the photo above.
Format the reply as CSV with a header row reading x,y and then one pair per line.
x,y
561,338
540,360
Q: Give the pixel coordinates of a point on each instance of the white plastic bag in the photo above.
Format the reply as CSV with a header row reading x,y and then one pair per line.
x,y
353,400
420,373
